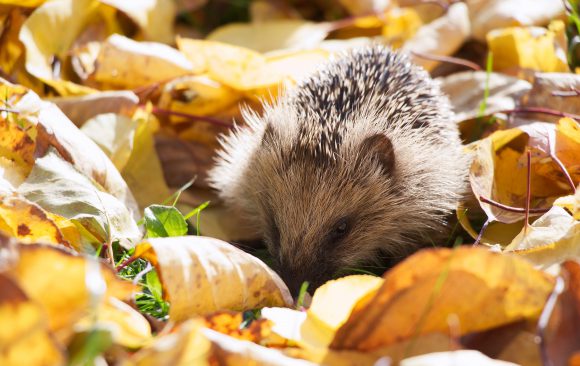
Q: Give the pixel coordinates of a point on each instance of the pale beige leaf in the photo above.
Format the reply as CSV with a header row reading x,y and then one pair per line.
x,y
442,37
487,15
154,17
201,275
466,92
273,35
454,358
125,63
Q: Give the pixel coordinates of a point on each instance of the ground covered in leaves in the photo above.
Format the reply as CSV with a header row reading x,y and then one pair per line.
x,y
109,117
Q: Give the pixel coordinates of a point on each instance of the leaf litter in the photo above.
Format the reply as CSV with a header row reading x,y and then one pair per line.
x,y
107,107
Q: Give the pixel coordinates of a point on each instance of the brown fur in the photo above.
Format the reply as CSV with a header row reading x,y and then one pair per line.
x,y
368,141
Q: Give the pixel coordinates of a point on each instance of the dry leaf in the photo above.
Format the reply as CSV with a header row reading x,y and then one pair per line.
x,y
58,281
455,358
154,17
58,188
419,295
530,48
551,239
24,334
271,35
81,109
201,275
488,15
125,63
443,36
184,346
466,92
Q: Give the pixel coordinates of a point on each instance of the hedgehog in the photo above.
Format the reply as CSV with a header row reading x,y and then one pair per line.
x,y
357,163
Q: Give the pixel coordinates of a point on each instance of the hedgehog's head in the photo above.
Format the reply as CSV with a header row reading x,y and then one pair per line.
x,y
325,211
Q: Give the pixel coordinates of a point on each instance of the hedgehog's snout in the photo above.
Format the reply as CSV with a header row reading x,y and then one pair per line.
x,y
316,274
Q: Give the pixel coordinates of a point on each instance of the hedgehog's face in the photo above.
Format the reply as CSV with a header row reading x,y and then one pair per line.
x,y
318,219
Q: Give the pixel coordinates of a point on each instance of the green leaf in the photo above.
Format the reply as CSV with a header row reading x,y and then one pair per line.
x,y
164,221
154,285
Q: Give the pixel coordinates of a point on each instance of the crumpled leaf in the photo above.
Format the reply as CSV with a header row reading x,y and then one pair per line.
x,y
333,303
493,14
196,95
154,17
24,333
541,95
143,171
530,48
184,346
419,294
57,187
466,92
499,167
454,358
552,238
125,63
81,109
127,326
442,36
201,275
28,222
272,35
57,280
49,32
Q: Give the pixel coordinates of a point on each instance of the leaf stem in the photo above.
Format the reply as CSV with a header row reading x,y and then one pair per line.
x,y
448,59
125,263
191,117
511,208
528,190
542,110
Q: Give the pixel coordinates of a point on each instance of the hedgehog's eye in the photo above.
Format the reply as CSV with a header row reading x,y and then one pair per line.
x,y
340,230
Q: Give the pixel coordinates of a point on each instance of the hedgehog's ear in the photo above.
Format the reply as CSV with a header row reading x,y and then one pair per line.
x,y
381,148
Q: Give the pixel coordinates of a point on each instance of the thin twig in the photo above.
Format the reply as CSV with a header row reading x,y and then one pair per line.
x,y
511,208
573,92
558,162
9,110
545,319
126,262
448,59
191,117
480,235
542,110
528,190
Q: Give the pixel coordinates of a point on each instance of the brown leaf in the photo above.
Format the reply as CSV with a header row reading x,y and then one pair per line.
x,y
420,294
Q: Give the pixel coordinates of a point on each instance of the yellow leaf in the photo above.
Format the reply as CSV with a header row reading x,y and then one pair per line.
x,y
11,48
57,280
196,95
499,168
48,34
551,239
127,326
443,36
143,171
154,17
271,35
419,294
28,222
532,48
201,275
223,62
282,70
128,64
400,25
24,334
25,3
183,347
333,303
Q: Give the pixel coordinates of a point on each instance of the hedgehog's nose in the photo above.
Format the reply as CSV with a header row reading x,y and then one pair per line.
x,y
295,279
